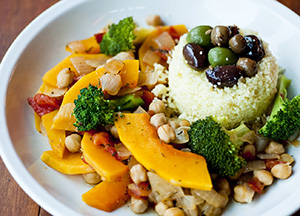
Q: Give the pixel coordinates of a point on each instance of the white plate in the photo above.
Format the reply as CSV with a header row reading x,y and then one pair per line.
x,y
41,45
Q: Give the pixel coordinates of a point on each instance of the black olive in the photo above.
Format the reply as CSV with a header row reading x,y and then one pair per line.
x,y
249,66
224,76
234,30
220,35
237,44
254,49
195,56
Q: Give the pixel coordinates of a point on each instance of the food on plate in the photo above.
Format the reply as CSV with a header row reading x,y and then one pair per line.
x,y
165,118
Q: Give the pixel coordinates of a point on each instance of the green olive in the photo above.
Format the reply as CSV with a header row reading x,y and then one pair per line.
x,y
200,35
219,56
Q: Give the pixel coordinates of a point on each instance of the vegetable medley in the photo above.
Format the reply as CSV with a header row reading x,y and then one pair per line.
x,y
104,122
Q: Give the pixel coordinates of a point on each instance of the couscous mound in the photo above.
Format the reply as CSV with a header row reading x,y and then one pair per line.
x,y
195,97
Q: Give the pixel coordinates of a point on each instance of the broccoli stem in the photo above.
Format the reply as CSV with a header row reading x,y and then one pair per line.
x,y
126,102
237,133
281,95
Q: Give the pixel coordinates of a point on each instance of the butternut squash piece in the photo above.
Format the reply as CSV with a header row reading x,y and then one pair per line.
x,y
50,77
91,46
150,43
130,73
108,196
64,119
70,164
102,161
56,137
180,168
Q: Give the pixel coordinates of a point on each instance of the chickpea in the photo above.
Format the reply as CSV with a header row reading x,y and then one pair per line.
x,y
138,174
160,208
185,123
158,119
73,142
264,176
174,211
138,205
154,20
65,78
249,148
281,171
223,185
275,148
114,132
157,106
166,133
243,194
174,124
92,178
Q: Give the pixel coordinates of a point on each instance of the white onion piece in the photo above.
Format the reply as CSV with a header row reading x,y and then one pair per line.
x,y
76,46
124,56
212,197
140,110
181,135
114,66
54,92
112,83
165,40
255,165
249,137
186,202
127,90
164,188
81,66
150,58
268,156
122,151
208,209
148,78
96,62
261,143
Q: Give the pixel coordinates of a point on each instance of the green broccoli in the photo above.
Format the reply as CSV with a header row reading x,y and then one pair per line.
x,y
92,110
119,37
284,120
207,138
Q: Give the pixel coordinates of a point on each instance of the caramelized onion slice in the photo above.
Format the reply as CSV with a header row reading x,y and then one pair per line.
x,y
81,66
111,83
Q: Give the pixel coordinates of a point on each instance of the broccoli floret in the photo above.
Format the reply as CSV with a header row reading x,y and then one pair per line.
x,y
207,138
119,37
284,120
92,110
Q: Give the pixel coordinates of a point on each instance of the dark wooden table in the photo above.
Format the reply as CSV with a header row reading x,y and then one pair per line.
x,y
14,16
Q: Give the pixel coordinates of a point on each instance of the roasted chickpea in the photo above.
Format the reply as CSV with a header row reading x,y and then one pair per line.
x,y
138,174
157,106
166,133
174,211
264,176
281,171
158,119
92,178
65,78
73,142
243,194
138,205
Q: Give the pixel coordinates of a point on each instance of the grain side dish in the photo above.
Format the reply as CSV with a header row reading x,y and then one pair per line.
x,y
168,119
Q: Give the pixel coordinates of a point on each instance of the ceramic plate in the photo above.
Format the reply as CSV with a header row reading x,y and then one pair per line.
x,y
41,46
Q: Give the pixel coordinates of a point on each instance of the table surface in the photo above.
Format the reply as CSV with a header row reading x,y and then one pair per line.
x,y
14,16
